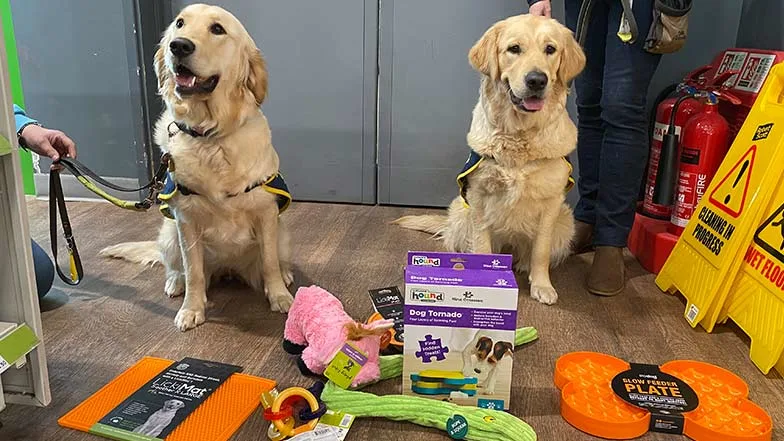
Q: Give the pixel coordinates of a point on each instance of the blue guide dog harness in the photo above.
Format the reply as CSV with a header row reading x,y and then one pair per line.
x,y
274,184
474,159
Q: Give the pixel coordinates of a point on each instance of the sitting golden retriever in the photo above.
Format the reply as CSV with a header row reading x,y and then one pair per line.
x,y
512,188
224,191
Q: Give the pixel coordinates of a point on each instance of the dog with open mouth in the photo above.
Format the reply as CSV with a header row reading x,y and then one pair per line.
x,y
512,189
225,193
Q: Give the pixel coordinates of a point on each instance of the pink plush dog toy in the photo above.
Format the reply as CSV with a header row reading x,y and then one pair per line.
x,y
317,328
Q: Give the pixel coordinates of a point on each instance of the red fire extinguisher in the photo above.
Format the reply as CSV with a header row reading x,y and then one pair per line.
x,y
687,107
705,142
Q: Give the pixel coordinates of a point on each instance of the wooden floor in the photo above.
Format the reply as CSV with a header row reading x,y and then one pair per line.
x,y
120,314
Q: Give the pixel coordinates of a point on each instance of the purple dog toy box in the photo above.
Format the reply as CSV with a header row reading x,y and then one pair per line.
x,y
460,316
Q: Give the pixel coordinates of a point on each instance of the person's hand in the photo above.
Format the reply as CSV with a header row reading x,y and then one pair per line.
x,y
542,7
48,142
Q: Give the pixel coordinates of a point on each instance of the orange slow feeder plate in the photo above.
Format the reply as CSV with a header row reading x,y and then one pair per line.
x,y
724,412
215,420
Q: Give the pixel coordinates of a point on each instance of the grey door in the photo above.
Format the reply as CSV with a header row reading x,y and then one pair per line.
x,y
79,65
321,58
427,91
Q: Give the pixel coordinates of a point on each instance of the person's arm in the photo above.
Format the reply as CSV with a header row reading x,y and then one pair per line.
x,y
540,7
22,120
45,142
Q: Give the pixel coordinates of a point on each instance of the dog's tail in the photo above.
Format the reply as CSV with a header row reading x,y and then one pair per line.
x,y
429,223
145,253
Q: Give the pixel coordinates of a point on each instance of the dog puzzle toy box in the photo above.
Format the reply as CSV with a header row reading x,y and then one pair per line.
x,y
460,316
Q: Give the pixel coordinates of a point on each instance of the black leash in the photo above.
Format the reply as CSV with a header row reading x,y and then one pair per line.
x,y
57,203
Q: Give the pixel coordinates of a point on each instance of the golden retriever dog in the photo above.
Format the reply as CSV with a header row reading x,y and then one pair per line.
x,y
160,420
513,194
213,79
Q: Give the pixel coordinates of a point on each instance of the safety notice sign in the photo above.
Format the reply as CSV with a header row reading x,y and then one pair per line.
x,y
736,214
770,235
730,195
756,297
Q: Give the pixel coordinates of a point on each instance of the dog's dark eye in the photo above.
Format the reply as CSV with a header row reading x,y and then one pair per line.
x,y
515,49
549,49
217,29
180,23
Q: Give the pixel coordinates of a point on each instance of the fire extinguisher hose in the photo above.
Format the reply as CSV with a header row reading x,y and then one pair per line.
x,y
664,189
663,95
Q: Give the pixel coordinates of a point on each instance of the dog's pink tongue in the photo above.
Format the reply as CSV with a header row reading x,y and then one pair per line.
x,y
185,80
533,103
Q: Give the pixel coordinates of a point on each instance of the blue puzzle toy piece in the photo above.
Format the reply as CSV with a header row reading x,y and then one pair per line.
x,y
447,381
440,391
435,382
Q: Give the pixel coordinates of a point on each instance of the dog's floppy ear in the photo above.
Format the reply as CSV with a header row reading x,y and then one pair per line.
x,y
159,65
257,76
484,346
501,349
483,56
572,59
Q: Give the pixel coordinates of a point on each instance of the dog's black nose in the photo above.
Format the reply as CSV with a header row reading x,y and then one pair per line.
x,y
477,371
182,47
536,81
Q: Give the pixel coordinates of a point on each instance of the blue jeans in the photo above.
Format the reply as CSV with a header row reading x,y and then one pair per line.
x,y
44,270
613,138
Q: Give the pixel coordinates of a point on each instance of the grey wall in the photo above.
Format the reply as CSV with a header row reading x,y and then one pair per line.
x,y
762,24
321,58
78,64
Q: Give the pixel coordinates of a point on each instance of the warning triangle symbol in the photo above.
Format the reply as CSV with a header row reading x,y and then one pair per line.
x,y
730,195
770,235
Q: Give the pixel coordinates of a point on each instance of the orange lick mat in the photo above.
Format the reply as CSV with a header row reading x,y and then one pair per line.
x,y
215,420
589,403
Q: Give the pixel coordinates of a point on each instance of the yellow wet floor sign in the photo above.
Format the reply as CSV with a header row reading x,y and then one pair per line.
x,y
739,215
756,298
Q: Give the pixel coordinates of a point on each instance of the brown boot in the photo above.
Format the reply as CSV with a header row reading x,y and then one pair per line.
x,y
583,238
606,277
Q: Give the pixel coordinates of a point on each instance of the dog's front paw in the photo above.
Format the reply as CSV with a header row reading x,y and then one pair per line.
x,y
280,299
188,319
175,286
544,294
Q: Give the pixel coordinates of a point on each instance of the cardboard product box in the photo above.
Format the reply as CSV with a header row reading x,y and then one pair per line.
x,y
460,320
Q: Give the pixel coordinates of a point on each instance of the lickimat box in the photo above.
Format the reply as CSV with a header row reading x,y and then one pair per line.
x,y
460,316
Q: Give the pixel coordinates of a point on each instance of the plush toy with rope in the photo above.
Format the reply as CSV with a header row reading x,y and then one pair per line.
x,y
318,327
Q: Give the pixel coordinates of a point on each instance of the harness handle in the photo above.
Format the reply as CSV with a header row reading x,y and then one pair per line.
x,y
57,204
